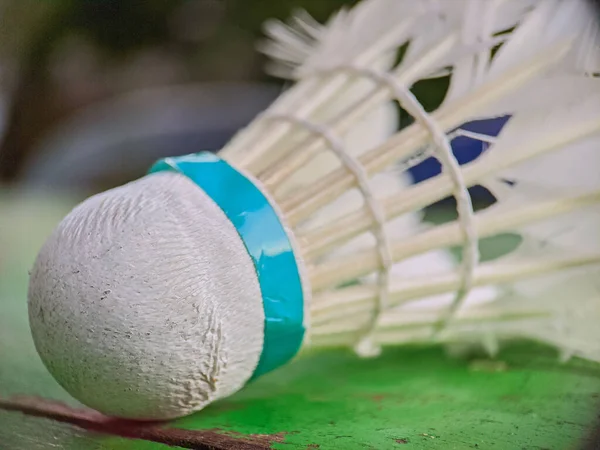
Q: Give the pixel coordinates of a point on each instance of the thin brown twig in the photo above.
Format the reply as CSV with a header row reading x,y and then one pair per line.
x,y
91,420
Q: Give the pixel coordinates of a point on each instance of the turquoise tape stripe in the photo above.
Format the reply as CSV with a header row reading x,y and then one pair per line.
x,y
267,243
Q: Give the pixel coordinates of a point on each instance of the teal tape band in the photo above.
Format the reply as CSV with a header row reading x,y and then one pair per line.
x,y
267,243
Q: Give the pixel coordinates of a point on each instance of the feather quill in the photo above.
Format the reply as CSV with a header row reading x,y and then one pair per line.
x,y
504,58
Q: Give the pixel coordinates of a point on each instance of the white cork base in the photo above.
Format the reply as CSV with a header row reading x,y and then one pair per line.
x,y
144,303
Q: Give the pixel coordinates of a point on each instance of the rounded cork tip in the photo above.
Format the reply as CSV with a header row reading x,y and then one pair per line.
x,y
144,302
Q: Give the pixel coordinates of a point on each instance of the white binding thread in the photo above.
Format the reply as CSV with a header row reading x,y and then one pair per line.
x,y
466,219
365,346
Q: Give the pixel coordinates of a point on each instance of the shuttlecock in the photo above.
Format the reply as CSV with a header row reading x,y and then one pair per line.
x,y
159,297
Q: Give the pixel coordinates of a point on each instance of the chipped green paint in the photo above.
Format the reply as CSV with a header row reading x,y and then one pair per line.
x,y
409,398
419,396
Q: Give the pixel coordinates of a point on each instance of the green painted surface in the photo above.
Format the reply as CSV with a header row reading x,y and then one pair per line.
x,y
408,398
417,395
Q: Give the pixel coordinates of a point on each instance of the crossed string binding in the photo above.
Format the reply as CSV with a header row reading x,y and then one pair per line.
x,y
443,152
353,165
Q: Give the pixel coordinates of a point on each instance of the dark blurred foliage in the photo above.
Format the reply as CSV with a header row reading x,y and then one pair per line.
x,y
63,55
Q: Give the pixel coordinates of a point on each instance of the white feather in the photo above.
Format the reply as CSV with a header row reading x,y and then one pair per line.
x,y
572,301
370,28
542,31
482,21
566,170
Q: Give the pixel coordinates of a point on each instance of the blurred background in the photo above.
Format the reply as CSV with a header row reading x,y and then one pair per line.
x,y
92,92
